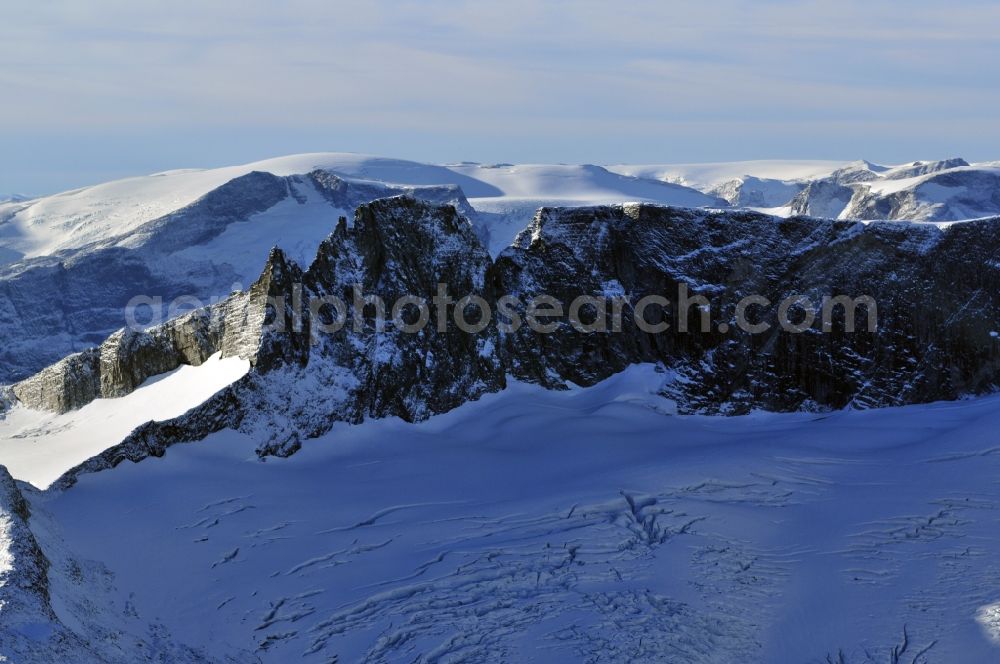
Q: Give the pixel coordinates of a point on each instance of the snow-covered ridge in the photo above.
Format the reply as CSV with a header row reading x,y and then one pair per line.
x,y
704,176
70,220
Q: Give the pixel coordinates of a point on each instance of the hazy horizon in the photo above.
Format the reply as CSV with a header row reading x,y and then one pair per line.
x,y
116,89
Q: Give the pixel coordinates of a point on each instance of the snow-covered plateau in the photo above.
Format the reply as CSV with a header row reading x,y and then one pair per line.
x,y
213,488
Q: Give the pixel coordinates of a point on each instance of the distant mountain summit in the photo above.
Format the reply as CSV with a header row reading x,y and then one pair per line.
x,y
945,190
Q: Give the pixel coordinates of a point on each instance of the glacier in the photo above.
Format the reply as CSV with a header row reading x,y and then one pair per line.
x,y
532,525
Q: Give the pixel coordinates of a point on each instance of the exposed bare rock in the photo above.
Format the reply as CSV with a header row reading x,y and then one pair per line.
x,y
934,291
24,585
307,376
128,357
403,247
822,198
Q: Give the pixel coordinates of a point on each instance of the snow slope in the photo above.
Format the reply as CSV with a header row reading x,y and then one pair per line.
x,y
297,226
38,447
586,525
75,218
585,182
892,185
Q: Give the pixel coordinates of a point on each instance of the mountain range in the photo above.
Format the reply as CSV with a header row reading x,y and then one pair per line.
x,y
69,263
377,495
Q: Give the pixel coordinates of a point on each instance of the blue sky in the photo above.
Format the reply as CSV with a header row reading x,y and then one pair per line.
x,y
97,90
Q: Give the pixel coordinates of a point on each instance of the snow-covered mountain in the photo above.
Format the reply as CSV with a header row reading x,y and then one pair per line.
x,y
946,190
113,212
704,176
496,495
963,192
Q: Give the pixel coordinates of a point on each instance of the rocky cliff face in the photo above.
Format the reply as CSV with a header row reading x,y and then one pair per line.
x,y
128,357
328,361
935,310
946,190
395,248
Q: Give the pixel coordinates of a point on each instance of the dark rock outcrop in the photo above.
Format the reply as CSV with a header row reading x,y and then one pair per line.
x,y
404,248
348,195
24,584
234,327
927,332
935,312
